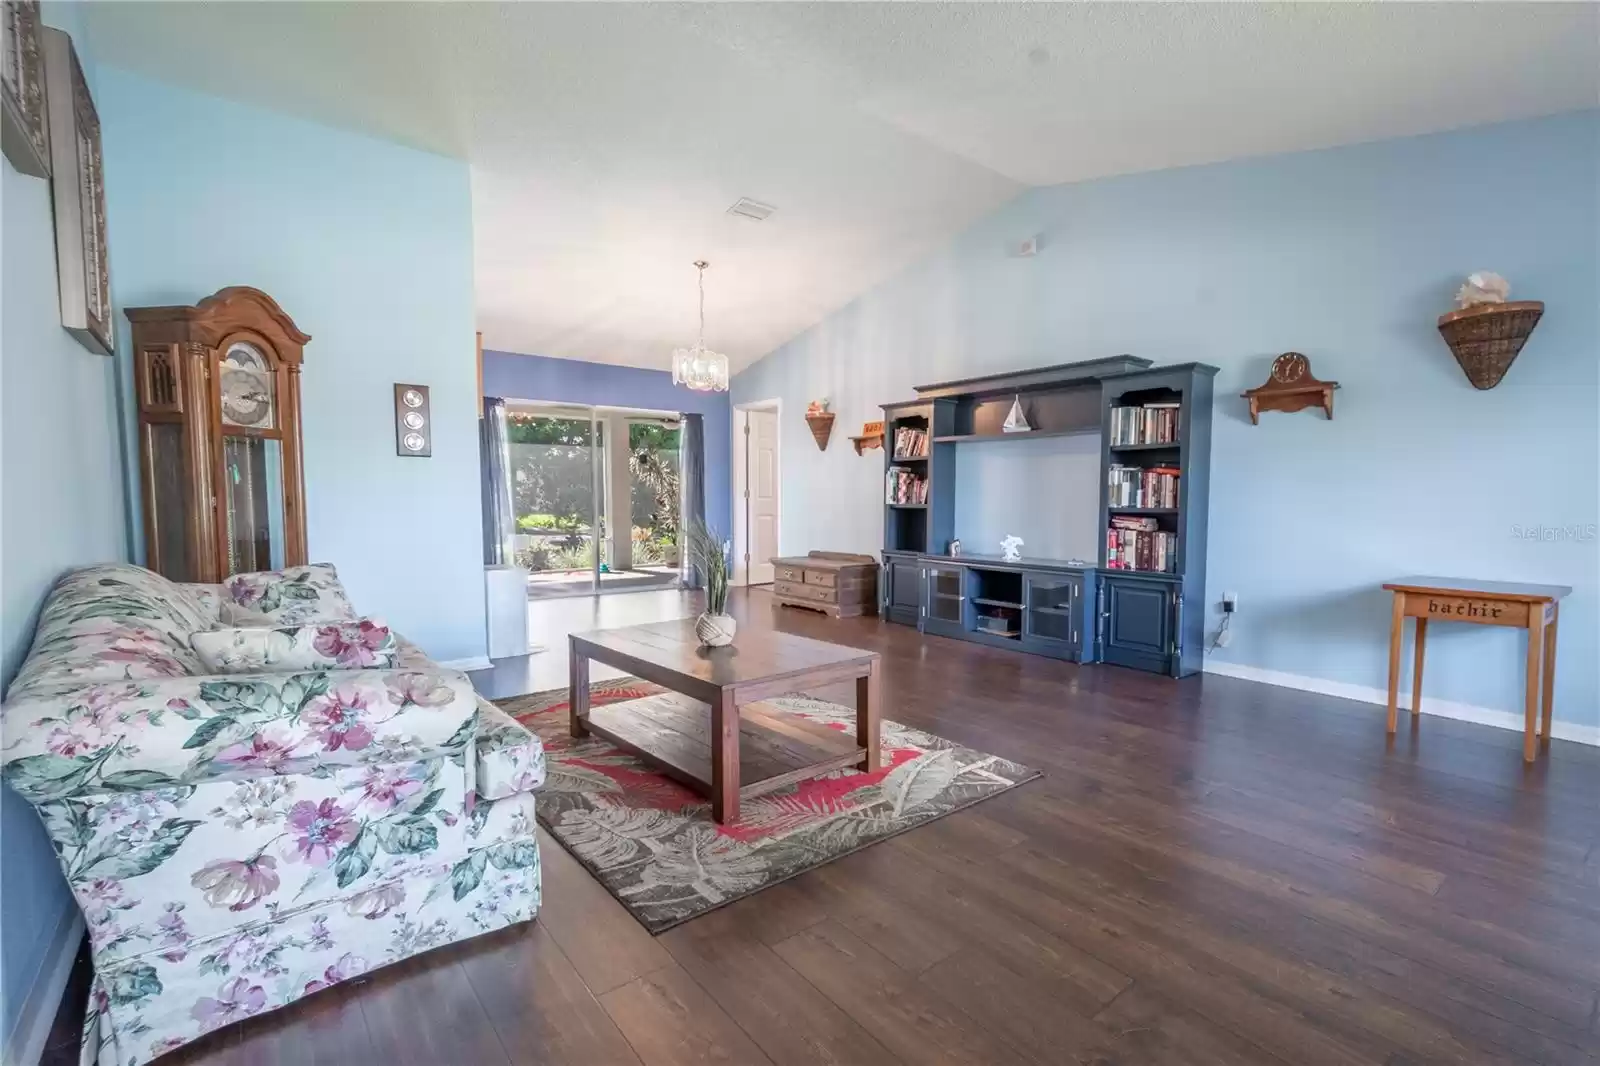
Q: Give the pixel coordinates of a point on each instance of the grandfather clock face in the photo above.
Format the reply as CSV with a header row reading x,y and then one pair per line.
x,y
252,459
247,387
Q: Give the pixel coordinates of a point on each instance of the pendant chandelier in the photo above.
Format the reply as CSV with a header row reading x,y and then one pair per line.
x,y
699,368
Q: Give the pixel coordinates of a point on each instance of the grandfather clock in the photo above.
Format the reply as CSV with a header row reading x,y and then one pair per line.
x,y
219,435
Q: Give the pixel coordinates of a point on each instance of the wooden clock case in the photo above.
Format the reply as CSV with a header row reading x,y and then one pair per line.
x,y
202,504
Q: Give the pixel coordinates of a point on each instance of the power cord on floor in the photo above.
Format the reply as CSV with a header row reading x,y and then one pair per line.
x,y
1224,634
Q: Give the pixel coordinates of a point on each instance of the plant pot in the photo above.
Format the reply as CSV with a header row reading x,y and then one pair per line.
x,y
715,630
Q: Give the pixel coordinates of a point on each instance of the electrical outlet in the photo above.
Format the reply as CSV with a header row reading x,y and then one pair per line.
x,y
1230,602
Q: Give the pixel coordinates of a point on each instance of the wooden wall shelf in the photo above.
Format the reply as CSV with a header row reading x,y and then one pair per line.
x,y
821,429
1290,387
871,437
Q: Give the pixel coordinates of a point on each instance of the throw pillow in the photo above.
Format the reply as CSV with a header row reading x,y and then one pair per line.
x,y
363,644
232,616
296,596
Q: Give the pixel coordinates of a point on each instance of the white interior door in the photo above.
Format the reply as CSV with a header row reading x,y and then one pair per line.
x,y
761,499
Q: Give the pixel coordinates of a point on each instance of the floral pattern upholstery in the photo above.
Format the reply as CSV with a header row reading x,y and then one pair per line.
x,y
319,646
294,596
510,757
208,599
239,841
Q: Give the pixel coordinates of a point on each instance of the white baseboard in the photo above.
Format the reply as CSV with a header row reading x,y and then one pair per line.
x,y
476,662
25,1045
1461,712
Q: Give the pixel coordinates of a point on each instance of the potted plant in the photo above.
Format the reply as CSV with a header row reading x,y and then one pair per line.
x,y
715,627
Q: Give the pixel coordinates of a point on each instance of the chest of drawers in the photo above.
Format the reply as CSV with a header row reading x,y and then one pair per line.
x,y
836,583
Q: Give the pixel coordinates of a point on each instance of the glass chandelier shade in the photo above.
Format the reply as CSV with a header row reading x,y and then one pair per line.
x,y
699,368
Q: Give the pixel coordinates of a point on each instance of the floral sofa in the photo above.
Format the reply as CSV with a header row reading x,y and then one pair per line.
x,y
239,840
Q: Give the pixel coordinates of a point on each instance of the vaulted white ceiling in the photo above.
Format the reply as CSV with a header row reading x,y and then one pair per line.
x,y
608,139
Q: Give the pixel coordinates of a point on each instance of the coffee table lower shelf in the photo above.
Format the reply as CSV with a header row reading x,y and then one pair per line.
x,y
672,733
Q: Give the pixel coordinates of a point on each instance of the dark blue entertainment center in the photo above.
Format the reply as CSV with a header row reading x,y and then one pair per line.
x,y
1142,602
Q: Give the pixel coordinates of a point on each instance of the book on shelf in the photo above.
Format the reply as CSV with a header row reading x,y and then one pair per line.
x,y
1141,549
1142,486
1150,423
903,485
910,443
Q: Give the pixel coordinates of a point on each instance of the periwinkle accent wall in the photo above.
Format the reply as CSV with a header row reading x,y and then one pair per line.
x,y
61,506
1348,255
368,246
513,376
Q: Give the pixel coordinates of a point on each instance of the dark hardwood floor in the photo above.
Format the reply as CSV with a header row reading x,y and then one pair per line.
x,y
1211,871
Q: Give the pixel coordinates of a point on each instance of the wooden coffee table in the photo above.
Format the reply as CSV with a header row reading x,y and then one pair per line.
x,y
710,732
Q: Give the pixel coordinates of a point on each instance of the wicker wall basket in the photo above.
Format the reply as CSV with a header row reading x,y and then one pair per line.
x,y
1486,338
821,429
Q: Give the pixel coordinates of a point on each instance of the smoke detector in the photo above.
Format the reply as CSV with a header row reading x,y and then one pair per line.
x,y
754,210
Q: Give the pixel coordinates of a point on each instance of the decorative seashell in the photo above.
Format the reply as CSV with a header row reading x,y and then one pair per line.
x,y
1483,287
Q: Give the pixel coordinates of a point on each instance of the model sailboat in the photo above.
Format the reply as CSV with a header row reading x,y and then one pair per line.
x,y
1016,421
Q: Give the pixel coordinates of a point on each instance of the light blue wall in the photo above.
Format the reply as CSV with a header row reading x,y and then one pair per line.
x,y
538,377
61,505
1045,491
1348,255
368,246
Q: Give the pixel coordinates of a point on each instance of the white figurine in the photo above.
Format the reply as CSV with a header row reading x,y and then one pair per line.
x,y
1482,287
1016,421
1011,548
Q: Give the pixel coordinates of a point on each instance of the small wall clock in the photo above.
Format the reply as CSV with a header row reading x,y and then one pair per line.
x,y
1290,387
413,421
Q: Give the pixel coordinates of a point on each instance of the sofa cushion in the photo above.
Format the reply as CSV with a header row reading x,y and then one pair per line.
x,y
134,736
294,596
112,622
358,645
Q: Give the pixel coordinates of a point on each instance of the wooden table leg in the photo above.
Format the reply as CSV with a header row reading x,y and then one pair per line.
x,y
1550,669
1397,623
1421,639
1535,649
869,707
577,692
725,759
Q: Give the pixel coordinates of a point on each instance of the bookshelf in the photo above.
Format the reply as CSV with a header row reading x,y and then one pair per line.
x,y
1141,603
1153,499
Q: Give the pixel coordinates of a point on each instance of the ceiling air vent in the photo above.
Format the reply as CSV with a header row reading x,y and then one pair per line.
x,y
754,210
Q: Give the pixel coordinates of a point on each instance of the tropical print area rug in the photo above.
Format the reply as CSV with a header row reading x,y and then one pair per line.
x,y
652,842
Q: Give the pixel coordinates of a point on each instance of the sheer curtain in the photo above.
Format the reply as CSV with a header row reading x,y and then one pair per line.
x,y
495,453
692,473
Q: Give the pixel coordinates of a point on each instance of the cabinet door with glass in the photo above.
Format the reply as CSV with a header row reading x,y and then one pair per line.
x,y
219,423
945,600
1052,606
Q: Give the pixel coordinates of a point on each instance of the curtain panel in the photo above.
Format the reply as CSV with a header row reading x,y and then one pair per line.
x,y
498,525
692,473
